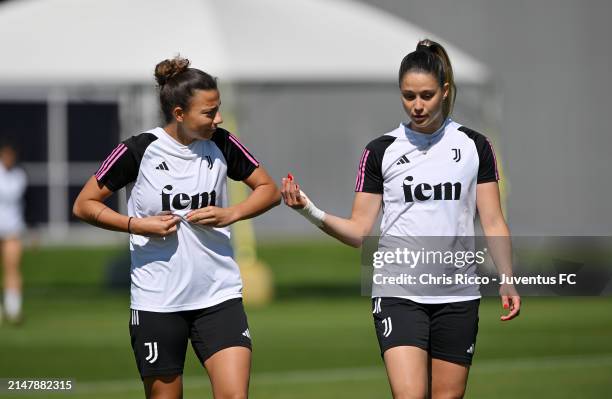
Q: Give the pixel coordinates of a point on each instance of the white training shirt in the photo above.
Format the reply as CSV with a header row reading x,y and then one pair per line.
x,y
13,182
428,183
193,268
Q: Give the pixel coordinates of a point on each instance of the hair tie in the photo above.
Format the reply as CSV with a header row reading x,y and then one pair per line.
x,y
425,47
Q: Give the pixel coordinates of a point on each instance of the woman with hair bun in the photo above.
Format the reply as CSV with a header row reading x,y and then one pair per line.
x,y
431,175
185,285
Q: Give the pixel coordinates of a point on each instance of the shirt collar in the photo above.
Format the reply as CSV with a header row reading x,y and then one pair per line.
x,y
424,139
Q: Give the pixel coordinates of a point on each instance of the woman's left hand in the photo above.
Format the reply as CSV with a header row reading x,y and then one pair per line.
x,y
510,300
212,216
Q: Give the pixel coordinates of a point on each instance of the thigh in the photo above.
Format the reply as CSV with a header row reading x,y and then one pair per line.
x,y
163,387
221,339
229,370
159,341
402,329
448,379
454,327
407,369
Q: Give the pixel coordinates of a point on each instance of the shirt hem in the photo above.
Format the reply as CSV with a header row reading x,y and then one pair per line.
x,y
181,308
439,299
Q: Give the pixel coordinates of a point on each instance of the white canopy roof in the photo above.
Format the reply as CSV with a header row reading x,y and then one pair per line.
x,y
120,41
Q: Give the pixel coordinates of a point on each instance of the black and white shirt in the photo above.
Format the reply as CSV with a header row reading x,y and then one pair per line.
x,y
193,268
428,183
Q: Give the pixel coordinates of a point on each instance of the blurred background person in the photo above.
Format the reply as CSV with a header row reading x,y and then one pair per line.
x,y
13,183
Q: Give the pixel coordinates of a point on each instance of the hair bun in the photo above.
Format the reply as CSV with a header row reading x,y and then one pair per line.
x,y
426,45
167,69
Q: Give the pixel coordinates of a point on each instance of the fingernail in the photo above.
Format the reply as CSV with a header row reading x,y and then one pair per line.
x,y
505,306
290,176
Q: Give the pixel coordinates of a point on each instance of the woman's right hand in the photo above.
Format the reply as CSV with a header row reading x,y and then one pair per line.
x,y
159,225
292,195
349,231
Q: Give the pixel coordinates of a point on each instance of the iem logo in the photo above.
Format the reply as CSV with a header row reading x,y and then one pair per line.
x,y
422,192
183,201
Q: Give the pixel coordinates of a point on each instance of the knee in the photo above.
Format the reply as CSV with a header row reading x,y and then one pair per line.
x,y
410,396
448,394
410,393
232,395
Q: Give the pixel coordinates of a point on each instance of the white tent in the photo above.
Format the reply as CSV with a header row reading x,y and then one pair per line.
x,y
119,42
88,50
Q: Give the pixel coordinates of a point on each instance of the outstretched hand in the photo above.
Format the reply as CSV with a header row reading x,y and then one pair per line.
x,y
291,193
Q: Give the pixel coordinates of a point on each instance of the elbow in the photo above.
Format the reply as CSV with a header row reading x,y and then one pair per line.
x,y
77,210
276,197
269,194
355,242
493,226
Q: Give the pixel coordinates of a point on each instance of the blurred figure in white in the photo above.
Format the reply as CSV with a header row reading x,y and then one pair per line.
x,y
13,183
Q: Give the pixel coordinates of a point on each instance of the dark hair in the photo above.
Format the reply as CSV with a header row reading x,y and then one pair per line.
x,y
8,141
177,83
431,57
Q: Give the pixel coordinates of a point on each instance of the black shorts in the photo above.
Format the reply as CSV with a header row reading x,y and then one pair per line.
x,y
447,331
159,340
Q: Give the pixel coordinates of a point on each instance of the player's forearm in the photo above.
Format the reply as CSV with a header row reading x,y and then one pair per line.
x,y
500,245
98,214
263,198
346,231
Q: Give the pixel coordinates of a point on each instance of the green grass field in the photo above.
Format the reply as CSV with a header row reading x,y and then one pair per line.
x,y
315,341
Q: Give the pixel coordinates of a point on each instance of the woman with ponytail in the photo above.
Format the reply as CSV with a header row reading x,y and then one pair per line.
x,y
186,285
430,176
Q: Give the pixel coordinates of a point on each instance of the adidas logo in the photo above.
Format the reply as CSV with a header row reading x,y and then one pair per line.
x,y
247,334
162,166
471,349
404,159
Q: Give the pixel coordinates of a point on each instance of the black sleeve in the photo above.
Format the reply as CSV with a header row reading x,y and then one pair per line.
x,y
122,165
487,168
240,162
369,172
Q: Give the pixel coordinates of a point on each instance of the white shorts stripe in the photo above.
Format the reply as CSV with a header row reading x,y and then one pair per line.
x,y
135,318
